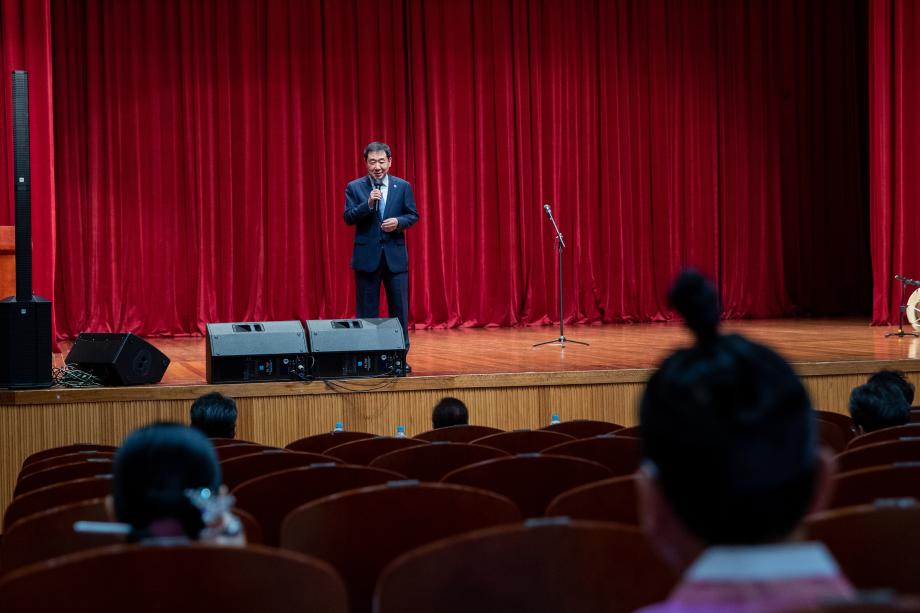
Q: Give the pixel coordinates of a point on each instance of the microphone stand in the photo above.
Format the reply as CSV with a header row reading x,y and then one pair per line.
x,y
901,333
560,247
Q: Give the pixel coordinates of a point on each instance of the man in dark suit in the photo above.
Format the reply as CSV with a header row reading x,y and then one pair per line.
x,y
381,207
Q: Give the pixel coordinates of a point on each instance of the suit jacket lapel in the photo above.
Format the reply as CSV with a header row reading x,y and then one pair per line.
x,y
392,195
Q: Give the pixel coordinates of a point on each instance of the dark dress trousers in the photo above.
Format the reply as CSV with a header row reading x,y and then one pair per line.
x,y
378,256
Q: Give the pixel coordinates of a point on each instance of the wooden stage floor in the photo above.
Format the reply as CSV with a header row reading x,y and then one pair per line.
x,y
506,382
815,346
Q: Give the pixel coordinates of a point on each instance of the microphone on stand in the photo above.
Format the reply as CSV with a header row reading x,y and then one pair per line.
x,y
549,213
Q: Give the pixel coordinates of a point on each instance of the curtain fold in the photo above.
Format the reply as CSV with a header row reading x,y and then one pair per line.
x,y
203,149
894,130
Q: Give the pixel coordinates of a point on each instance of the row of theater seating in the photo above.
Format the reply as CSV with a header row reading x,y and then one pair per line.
x,y
835,429
616,450
347,502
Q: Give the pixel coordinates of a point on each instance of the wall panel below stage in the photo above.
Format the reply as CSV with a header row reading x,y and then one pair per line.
x,y
276,414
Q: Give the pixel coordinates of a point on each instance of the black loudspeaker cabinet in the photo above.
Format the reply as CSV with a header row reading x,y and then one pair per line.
x,y
244,352
118,358
345,348
25,319
25,343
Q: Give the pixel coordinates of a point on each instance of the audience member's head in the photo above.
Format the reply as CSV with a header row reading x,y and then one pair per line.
x,y
215,415
449,412
729,438
154,469
878,404
897,379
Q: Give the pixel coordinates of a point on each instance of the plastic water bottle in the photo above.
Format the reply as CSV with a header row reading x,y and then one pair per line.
x,y
338,427
400,432
554,420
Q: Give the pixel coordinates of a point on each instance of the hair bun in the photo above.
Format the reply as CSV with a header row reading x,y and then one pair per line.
x,y
695,298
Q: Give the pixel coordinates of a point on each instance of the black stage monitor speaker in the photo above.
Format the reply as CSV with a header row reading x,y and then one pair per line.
x,y
25,319
256,351
356,348
118,358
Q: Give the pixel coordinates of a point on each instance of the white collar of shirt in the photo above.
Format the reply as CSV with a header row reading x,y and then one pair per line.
x,y
763,562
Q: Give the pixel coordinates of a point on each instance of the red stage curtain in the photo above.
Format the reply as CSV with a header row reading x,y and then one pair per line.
x,y
894,149
25,44
203,149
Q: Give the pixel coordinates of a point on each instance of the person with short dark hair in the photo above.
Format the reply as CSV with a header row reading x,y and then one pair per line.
x,y
381,207
164,477
896,379
878,404
215,415
731,467
449,411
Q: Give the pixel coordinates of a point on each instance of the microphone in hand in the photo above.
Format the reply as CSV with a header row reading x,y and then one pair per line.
x,y
374,201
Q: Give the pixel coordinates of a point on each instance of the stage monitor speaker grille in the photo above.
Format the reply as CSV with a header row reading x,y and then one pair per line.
x,y
345,348
118,358
245,352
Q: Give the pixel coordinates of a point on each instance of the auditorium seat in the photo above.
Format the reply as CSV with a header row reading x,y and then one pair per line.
x,y
64,450
270,497
217,441
60,474
143,579
633,431
531,481
867,485
57,495
365,450
831,435
60,460
432,462
911,430
237,449
621,454
615,500
320,443
251,527
879,454
49,534
457,434
583,428
523,441
360,531
876,546
845,422
542,565
242,468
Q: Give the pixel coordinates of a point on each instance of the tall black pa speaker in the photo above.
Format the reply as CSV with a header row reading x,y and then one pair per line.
x,y
25,319
118,358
